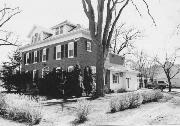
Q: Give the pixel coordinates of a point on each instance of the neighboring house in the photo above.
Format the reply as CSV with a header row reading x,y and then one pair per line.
x,y
66,45
161,76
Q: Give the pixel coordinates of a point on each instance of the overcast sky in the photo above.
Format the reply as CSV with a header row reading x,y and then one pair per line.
x,y
47,13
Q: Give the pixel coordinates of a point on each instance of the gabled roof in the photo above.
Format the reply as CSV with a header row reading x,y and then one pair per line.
x,y
66,22
46,30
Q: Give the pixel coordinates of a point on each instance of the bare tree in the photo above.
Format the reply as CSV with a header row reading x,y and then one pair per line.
x,y
141,65
153,70
170,68
123,38
102,33
6,14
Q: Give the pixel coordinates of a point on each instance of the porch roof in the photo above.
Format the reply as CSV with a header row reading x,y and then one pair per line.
x,y
117,68
121,68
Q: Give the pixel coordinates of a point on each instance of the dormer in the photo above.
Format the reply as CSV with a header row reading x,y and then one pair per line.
x,y
39,33
63,28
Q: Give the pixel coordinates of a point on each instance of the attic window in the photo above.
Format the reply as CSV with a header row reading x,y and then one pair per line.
x,y
59,30
36,37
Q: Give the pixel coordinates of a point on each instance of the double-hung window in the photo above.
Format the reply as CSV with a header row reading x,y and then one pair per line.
x,y
70,68
27,58
88,46
115,78
35,37
58,52
44,55
93,68
60,29
71,50
34,73
45,71
57,31
35,56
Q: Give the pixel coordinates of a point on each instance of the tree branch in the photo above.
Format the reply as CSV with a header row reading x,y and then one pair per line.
x,y
136,8
114,23
147,6
90,14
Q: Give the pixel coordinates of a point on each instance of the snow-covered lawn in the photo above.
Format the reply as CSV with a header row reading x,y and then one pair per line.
x,y
154,113
4,122
151,113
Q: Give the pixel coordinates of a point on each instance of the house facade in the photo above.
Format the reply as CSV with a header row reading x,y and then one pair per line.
x,y
66,45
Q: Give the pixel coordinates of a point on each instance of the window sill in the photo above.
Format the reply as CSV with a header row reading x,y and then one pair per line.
x,y
71,57
34,62
58,59
89,50
43,61
27,64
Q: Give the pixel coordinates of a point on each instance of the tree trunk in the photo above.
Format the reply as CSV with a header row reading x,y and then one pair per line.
x,y
100,72
169,81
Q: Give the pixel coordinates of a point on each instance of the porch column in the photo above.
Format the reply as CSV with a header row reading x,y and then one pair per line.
x,y
107,79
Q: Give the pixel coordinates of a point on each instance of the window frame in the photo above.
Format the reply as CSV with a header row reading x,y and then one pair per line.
x,y
44,51
43,69
34,73
115,81
57,31
27,58
93,68
35,56
71,48
88,48
58,50
36,37
70,68
61,29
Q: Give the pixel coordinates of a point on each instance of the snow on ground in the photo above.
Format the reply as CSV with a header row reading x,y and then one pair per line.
x,y
4,122
155,113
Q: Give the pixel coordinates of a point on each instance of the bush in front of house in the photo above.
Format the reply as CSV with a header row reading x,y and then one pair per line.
x,y
83,107
50,84
16,81
151,95
88,80
20,108
121,90
125,101
72,85
133,99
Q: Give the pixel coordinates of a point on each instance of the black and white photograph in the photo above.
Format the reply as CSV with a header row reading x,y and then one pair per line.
x,y
89,62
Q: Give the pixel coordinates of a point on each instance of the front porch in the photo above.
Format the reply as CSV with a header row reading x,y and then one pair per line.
x,y
119,77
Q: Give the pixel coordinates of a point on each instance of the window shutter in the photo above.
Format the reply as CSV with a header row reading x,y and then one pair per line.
x,y
37,56
29,58
54,52
66,50
75,49
47,54
40,55
86,44
32,57
62,51
24,58
31,75
54,69
37,74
